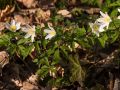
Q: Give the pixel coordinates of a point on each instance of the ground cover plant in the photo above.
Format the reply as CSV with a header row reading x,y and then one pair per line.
x,y
59,45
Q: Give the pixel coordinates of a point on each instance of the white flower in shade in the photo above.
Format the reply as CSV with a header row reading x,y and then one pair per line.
x,y
104,19
50,32
96,28
30,31
119,15
13,26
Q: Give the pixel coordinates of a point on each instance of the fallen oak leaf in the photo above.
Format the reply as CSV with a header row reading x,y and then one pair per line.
x,y
22,20
4,58
42,16
6,11
28,3
64,13
2,26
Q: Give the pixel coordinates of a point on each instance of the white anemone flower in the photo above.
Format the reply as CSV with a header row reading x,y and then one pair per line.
x,y
30,31
104,19
13,26
50,32
119,15
96,28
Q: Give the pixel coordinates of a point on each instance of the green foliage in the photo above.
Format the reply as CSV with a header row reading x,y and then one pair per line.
x,y
78,74
4,40
60,61
102,40
24,51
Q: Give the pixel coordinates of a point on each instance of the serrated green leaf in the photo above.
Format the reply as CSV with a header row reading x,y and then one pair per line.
x,y
22,41
4,40
43,71
78,74
102,40
25,51
56,57
80,31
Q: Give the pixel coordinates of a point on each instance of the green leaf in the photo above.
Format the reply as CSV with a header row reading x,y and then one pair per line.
x,y
84,43
44,61
12,49
51,50
4,40
22,41
80,31
114,4
102,40
114,13
25,51
56,57
37,47
78,74
43,71
64,52
114,37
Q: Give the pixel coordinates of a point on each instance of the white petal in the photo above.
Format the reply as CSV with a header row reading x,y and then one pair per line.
x,y
101,29
28,26
48,36
32,38
100,20
47,30
97,34
102,14
7,25
13,22
107,25
50,27
118,17
24,29
91,25
119,10
27,36
18,26
33,27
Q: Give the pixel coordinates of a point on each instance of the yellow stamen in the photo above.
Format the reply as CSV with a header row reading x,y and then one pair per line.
x,y
95,27
52,32
13,27
107,19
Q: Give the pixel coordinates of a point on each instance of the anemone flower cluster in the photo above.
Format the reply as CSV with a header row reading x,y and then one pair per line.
x,y
101,23
29,30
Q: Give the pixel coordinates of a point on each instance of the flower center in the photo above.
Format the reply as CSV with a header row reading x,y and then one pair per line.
x,y
13,27
95,27
107,19
52,32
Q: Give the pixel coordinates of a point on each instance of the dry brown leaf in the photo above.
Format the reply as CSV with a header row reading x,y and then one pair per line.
x,y
4,58
6,11
42,25
29,86
22,19
17,82
43,15
64,13
28,3
33,79
2,26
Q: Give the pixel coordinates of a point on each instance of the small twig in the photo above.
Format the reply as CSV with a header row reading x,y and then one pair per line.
x,y
111,82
